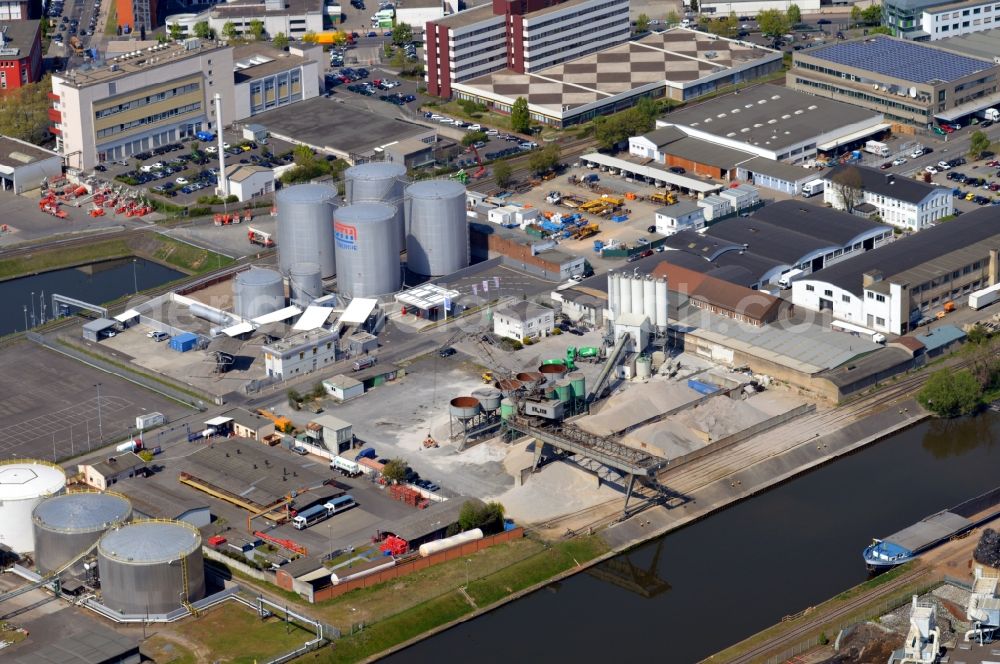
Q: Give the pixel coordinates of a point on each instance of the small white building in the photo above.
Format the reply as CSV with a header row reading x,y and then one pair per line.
x,y
512,215
681,216
23,166
715,207
338,435
742,196
343,388
247,181
524,320
300,354
900,201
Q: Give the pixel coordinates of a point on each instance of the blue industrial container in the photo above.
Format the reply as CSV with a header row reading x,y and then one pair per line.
x,y
184,342
703,388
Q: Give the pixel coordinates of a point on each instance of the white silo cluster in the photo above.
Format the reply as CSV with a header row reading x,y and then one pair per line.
x,y
305,227
24,483
437,229
378,182
257,292
640,295
368,248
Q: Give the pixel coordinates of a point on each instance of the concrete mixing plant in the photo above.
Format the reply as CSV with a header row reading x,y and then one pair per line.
x,y
437,240
151,567
24,483
305,283
305,227
368,249
68,525
378,182
257,292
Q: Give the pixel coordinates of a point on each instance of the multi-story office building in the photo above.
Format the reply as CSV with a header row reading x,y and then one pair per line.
x,y
266,78
900,201
20,54
140,101
905,81
520,35
294,18
136,15
927,20
20,10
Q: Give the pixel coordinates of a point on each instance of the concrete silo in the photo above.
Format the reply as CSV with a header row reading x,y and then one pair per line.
x,y
305,227
24,483
67,525
257,292
661,304
378,182
437,240
150,567
305,283
367,250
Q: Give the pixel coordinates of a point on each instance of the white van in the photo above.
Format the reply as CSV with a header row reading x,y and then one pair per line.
x,y
788,277
812,188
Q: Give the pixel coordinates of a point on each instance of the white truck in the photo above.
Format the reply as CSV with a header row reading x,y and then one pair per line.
x,y
345,466
788,277
876,147
991,114
984,297
812,188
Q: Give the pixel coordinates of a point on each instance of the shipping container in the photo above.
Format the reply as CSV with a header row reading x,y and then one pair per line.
x,y
149,420
182,343
984,297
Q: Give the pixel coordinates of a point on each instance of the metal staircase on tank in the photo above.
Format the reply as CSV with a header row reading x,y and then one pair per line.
x,y
185,587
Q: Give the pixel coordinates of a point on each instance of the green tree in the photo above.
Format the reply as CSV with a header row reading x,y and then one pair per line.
x,y
175,31
848,187
402,34
642,23
949,394
794,14
520,119
488,517
202,30
856,15
24,113
502,173
772,22
673,18
872,15
979,143
694,6
280,41
303,155
256,29
880,30
229,30
395,470
726,27
544,160
473,137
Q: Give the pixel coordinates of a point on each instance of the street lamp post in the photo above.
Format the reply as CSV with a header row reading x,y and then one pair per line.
x,y
467,562
135,281
100,424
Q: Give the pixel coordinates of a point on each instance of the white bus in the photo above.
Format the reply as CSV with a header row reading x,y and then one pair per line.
x,y
340,504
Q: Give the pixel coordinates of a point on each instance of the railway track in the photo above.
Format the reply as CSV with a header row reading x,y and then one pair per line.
x,y
520,172
67,243
798,633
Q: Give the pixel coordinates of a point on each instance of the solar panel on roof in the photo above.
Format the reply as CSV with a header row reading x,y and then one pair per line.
x,y
909,61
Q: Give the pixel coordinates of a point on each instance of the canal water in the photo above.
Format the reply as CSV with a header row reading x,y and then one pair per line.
x,y
95,283
698,590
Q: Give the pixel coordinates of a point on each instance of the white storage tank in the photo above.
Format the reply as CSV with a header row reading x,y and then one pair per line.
x,y
305,227
367,250
449,542
24,483
257,292
69,524
437,240
150,567
661,304
378,182
625,294
305,283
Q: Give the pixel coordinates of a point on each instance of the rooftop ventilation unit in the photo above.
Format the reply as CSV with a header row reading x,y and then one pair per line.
x,y
711,54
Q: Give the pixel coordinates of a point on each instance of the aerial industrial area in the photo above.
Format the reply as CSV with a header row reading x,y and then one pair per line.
x,y
323,333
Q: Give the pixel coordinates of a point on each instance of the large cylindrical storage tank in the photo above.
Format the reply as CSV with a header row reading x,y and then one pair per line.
x,y
625,294
661,304
489,398
67,525
305,227
378,182
649,299
643,367
305,283
612,293
437,240
367,250
431,548
257,292
636,295
143,567
24,483
211,314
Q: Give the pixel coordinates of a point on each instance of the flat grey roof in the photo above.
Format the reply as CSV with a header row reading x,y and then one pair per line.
x,y
870,365
780,170
247,8
984,44
99,325
95,645
158,500
927,531
763,110
974,230
15,153
679,208
890,185
425,522
468,17
705,152
278,61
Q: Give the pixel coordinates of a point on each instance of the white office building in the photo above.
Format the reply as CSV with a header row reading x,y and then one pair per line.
x,y
900,201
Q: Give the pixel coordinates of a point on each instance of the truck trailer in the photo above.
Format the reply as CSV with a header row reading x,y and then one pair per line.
x,y
877,147
984,297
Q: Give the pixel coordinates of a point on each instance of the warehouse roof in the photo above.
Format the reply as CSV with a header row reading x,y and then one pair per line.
x,y
118,464
247,419
15,153
977,229
940,337
94,645
429,521
890,185
754,116
985,44
823,223
705,152
900,59
753,304
779,169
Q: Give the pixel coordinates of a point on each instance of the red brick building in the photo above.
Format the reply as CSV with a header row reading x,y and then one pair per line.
x,y
20,54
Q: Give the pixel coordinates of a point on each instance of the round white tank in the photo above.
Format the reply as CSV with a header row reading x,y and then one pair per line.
x,y
643,367
612,293
150,567
661,303
305,227
367,250
305,283
649,298
437,240
625,294
378,182
449,542
257,292
24,483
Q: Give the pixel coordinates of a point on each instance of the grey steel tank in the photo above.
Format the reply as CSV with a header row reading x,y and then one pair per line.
x,y
66,526
378,182
464,408
367,250
305,283
305,227
150,567
489,398
257,292
437,240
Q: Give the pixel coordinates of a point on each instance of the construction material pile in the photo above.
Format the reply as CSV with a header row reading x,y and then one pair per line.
x,y
988,550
